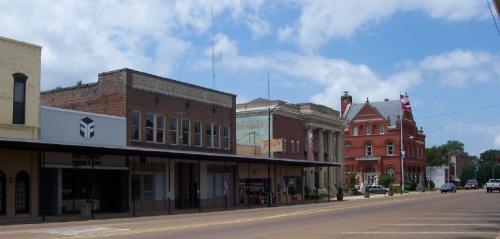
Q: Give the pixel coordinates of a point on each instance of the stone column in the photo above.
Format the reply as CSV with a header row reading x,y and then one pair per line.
x,y
321,158
330,159
340,155
310,157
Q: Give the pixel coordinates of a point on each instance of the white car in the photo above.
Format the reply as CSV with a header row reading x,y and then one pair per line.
x,y
493,185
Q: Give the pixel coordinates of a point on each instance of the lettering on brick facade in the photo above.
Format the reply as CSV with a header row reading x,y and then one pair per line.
x,y
169,88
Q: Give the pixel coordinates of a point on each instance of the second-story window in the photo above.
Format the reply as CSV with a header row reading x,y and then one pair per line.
x,y
354,131
197,133
185,132
216,133
298,146
208,133
381,129
159,129
368,149
225,134
173,131
19,98
293,146
390,149
285,146
368,130
136,126
149,127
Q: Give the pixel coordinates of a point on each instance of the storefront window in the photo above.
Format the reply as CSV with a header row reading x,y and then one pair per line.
x,y
2,193
22,193
148,187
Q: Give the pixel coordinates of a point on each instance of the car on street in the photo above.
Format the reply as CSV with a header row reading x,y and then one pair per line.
x,y
377,189
471,184
493,185
448,187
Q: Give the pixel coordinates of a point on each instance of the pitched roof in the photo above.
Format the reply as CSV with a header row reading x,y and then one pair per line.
x,y
389,109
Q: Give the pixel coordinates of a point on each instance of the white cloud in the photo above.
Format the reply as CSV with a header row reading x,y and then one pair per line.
x,y
460,67
497,141
323,20
83,38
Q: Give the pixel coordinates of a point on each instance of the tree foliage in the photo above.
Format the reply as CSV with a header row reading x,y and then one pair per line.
x,y
467,173
490,155
438,155
386,180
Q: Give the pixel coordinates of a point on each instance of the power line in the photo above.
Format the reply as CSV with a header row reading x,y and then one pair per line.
x,y
493,16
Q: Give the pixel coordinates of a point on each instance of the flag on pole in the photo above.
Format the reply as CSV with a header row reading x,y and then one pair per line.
x,y
405,102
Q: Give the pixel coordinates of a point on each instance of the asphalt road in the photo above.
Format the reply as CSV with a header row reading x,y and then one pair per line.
x,y
466,214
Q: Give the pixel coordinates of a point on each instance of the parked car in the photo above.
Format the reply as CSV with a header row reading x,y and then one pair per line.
x,y
493,185
377,189
448,187
471,184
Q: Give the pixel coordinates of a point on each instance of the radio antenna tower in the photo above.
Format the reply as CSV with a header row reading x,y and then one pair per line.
x,y
218,58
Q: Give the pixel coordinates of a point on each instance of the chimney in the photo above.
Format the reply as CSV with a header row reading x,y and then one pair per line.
x,y
345,101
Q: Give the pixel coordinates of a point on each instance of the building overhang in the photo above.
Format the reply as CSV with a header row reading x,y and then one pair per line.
x,y
43,146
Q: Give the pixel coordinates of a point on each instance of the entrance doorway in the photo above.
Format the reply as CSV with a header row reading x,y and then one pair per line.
x,y
187,185
369,175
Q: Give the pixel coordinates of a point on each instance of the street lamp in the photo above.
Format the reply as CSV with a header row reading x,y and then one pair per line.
x,y
270,110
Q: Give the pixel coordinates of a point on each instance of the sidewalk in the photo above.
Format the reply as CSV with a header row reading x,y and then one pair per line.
x,y
358,197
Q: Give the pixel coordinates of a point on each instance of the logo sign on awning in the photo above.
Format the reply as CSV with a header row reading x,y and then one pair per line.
x,y
87,127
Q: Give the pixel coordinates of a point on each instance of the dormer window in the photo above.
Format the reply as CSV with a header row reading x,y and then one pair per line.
x,y
19,99
381,129
368,130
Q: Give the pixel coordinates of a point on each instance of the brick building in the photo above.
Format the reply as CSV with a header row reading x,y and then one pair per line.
x,y
298,131
160,112
373,141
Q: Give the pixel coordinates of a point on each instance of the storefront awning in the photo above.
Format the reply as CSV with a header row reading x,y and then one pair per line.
x,y
43,146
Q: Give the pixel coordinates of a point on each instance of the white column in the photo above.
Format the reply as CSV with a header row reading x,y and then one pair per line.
x,y
310,157
340,155
321,158
332,170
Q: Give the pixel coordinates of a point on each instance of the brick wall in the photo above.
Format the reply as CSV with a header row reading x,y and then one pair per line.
x,y
105,97
290,129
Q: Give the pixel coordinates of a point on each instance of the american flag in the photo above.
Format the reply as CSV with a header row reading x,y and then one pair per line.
x,y
405,102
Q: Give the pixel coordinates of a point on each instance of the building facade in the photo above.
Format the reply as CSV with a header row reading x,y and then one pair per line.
x,y
19,119
165,114
373,142
297,131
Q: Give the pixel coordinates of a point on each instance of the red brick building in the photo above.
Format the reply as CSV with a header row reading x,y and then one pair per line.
x,y
160,112
373,141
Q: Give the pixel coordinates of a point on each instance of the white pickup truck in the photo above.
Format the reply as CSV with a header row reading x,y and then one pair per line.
x,y
493,185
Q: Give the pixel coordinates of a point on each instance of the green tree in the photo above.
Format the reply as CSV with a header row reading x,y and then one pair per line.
x,y
486,170
386,180
436,156
454,145
467,173
489,155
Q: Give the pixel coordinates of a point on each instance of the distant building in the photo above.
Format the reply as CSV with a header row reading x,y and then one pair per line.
x,y
438,174
373,141
298,131
19,119
458,162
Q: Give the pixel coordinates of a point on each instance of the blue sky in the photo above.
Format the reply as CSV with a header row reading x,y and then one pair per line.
x,y
445,54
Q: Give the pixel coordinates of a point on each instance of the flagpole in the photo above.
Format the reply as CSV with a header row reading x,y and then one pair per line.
x,y
401,147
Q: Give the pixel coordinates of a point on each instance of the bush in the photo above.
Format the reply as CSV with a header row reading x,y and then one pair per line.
x,y
410,186
386,180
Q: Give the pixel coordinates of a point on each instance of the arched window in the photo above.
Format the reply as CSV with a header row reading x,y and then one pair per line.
x,y
391,172
389,148
354,131
19,98
2,192
22,193
368,130
368,149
